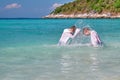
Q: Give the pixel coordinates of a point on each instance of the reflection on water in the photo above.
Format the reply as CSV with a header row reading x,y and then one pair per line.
x,y
66,64
72,63
95,63
94,66
80,65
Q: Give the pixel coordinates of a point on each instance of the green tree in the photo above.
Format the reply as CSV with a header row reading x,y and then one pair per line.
x,y
117,4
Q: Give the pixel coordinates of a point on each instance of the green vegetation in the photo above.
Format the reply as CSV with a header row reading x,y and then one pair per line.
x,y
89,6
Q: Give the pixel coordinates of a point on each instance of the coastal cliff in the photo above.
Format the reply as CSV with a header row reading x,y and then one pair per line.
x,y
87,9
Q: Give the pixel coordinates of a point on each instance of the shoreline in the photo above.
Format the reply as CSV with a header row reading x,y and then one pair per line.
x,y
85,15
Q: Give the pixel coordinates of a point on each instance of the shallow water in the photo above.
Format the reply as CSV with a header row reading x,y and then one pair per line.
x,y
28,51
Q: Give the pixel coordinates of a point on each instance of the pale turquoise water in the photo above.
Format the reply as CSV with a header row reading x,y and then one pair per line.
x,y
28,51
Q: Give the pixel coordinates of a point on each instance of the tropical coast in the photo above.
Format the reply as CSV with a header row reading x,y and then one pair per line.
x,y
84,15
64,47
87,9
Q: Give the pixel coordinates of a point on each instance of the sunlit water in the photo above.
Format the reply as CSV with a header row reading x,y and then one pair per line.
x,y
29,51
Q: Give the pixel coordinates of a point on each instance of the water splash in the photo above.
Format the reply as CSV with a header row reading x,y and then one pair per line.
x,y
80,24
80,38
83,23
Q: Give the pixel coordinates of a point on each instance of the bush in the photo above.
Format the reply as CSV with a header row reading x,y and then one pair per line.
x,y
117,4
57,10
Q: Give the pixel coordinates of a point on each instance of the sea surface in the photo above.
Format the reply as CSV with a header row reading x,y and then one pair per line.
x,y
29,51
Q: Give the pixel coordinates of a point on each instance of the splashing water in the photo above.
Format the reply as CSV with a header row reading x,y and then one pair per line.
x,y
81,39
83,23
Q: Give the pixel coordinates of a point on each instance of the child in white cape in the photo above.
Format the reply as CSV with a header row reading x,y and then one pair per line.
x,y
67,34
95,39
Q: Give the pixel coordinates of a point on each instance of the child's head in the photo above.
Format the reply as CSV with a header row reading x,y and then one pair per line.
x,y
86,31
73,28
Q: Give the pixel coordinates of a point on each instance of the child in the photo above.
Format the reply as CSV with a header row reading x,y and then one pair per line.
x,y
95,40
67,34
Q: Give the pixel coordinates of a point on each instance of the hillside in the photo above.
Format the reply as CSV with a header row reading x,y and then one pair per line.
x,y
87,6
109,7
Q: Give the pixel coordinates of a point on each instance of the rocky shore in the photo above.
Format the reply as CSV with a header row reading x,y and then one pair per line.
x,y
85,15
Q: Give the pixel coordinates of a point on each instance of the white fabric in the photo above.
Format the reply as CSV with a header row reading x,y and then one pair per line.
x,y
95,40
66,35
77,31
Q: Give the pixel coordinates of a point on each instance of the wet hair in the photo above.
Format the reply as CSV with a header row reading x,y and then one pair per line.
x,y
85,29
73,28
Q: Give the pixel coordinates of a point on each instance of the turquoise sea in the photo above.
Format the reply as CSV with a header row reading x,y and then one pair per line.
x,y
29,51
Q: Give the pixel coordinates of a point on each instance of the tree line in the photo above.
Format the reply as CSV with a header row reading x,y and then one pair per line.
x,y
89,6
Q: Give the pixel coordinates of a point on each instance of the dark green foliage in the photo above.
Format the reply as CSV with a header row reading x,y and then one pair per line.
x,y
58,10
87,6
117,4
